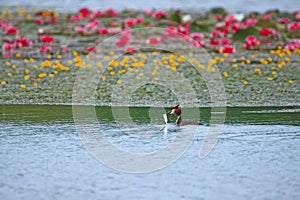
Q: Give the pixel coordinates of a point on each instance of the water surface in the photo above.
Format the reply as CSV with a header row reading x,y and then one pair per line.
x,y
256,157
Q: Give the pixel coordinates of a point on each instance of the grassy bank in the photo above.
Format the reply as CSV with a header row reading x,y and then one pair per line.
x,y
43,51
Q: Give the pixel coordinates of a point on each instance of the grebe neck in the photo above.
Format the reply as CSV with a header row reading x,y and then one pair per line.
x,y
179,119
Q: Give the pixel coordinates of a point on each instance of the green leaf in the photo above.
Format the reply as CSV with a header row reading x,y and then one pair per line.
x,y
218,10
176,17
266,24
241,35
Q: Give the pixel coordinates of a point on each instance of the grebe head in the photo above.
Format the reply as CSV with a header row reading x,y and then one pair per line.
x,y
175,110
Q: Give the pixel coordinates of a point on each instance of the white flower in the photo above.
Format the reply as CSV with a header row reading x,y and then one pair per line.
x,y
239,17
186,18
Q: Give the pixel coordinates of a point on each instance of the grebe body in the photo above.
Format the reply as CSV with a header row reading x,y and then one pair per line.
x,y
177,111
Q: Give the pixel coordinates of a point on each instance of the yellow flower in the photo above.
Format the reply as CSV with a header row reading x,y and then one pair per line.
x,y
119,81
154,53
270,79
31,60
42,75
59,56
112,73
273,72
35,84
26,71
26,60
14,66
258,71
290,81
51,75
103,78
27,77
3,82
23,86
9,74
225,74
234,65
156,78
245,82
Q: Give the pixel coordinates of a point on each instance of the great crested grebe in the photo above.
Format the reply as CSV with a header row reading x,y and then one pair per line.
x,y
177,110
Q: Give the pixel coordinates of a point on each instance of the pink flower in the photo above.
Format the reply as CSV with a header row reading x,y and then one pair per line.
x,y
214,42
84,12
228,49
218,16
148,12
236,26
139,20
154,40
249,22
294,26
198,43
91,49
38,21
293,44
130,50
284,20
75,18
47,39
7,47
52,20
11,30
251,41
92,25
158,14
64,48
224,41
79,29
197,36
183,30
171,32
111,13
123,40
7,54
97,14
267,32
102,31
297,15
22,42
221,33
129,22
45,49
266,17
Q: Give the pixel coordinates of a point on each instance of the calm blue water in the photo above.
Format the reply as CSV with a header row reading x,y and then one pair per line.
x,y
42,157
198,5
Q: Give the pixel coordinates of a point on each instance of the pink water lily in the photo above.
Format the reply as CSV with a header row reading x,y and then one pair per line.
x,y
7,47
38,21
284,20
91,49
45,49
228,49
294,26
154,40
268,32
131,49
123,40
47,39
251,41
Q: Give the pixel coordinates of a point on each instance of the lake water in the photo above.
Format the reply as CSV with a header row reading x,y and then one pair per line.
x,y
43,157
197,5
